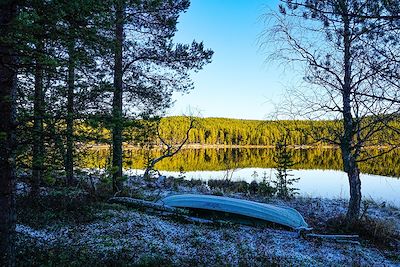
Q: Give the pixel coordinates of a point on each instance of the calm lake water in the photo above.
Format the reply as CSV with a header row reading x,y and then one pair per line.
x,y
319,170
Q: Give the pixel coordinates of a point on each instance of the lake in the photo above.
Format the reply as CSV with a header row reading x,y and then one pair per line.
x,y
319,169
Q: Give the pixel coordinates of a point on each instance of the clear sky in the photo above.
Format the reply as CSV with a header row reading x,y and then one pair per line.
x,y
238,83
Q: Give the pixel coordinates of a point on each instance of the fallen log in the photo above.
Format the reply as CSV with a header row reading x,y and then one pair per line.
x,y
139,203
348,237
189,219
353,239
165,210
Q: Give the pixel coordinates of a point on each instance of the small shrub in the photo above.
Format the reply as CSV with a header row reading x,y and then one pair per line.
x,y
63,205
218,193
379,231
284,162
253,187
265,189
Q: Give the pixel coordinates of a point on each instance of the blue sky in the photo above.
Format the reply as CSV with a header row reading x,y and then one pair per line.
x,y
238,83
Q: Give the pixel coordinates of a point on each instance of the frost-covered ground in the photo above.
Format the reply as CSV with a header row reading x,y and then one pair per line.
x,y
138,237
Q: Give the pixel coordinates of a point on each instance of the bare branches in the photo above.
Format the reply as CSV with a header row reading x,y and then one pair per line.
x,y
372,71
349,51
170,148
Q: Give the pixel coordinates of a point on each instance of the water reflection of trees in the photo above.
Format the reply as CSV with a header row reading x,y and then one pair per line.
x,y
223,158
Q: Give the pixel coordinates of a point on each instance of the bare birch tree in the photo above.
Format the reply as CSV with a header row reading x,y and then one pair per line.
x,y
349,52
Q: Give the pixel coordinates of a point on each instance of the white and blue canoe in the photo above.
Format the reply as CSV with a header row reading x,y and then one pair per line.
x,y
260,211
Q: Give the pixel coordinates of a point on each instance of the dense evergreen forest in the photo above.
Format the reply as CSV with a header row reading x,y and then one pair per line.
x,y
239,132
223,131
64,63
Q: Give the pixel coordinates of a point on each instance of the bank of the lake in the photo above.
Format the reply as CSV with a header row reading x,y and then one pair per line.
x,y
81,229
127,146
330,184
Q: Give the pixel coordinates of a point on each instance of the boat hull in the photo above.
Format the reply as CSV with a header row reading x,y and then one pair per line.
x,y
266,212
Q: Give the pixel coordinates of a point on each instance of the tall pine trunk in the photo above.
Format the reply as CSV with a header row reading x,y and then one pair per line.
x,y
8,83
353,173
348,155
117,100
38,116
69,158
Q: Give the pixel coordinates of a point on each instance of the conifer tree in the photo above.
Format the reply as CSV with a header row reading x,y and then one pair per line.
x,y
148,66
8,86
283,159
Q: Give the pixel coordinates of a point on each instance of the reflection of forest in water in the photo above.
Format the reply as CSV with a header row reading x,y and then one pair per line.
x,y
230,158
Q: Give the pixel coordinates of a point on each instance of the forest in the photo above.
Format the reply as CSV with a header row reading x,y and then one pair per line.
x,y
224,131
104,62
85,89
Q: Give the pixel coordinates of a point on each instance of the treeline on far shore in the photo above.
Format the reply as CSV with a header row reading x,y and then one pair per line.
x,y
238,132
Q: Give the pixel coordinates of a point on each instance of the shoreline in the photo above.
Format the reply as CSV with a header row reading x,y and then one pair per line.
x,y
120,235
218,146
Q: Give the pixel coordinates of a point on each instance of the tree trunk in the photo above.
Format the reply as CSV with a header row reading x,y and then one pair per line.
x,y
347,142
38,114
69,159
8,83
117,100
353,174
353,211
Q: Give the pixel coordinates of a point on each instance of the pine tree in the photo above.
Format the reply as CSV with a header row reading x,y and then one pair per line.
x,y
283,159
148,66
8,86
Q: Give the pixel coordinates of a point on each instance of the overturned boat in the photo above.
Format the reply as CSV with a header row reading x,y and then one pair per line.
x,y
243,208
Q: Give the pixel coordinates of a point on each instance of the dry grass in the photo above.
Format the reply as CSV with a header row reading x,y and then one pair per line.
x,y
380,232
